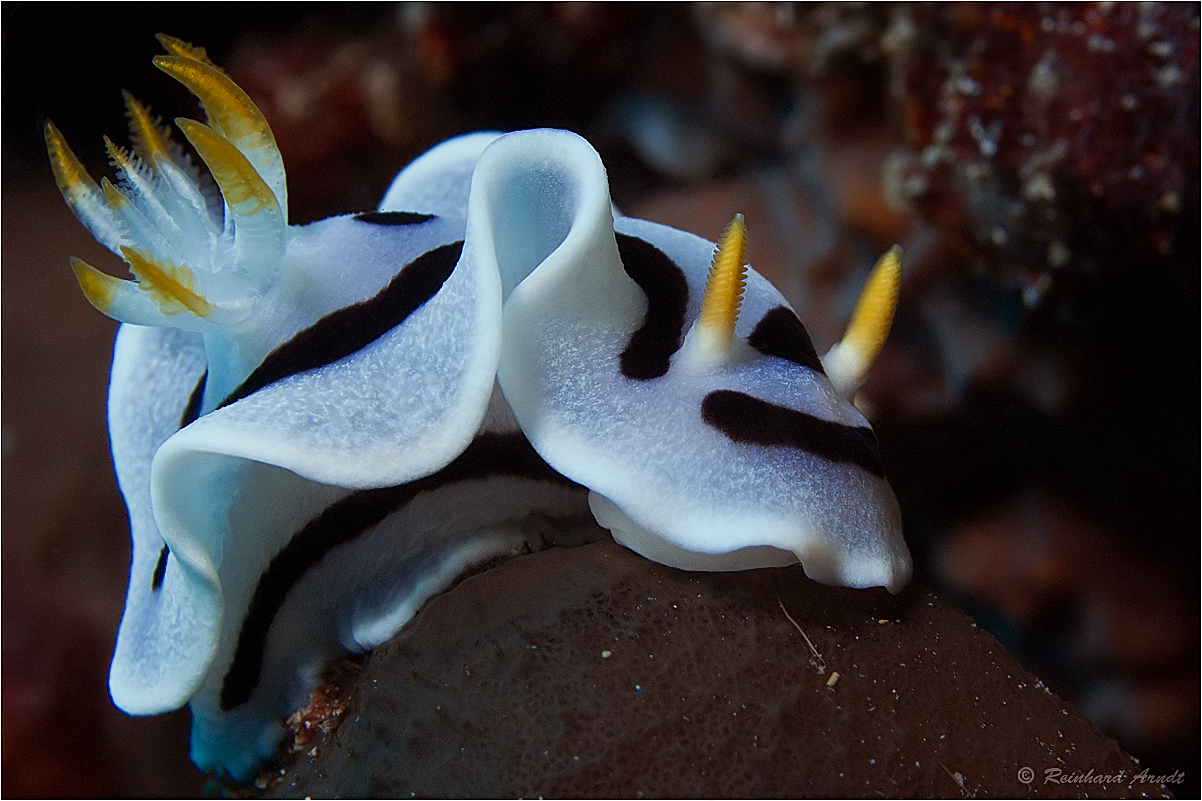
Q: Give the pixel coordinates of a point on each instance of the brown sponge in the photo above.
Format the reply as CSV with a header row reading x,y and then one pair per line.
x,y
591,672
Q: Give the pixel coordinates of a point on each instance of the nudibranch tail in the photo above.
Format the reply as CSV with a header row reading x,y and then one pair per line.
x,y
234,115
848,361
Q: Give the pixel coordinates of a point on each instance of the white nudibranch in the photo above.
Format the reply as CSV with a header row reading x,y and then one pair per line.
x,y
316,428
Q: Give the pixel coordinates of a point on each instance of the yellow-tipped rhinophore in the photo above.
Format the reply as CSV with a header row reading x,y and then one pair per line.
x,y
244,190
724,289
149,137
99,288
168,285
848,361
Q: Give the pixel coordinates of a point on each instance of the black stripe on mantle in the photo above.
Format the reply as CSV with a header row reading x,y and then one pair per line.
x,y
780,333
354,327
488,455
393,217
649,352
189,415
340,333
751,421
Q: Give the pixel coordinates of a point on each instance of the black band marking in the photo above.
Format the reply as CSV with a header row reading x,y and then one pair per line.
x,y
341,333
753,421
393,217
160,570
192,410
649,352
190,413
487,455
779,333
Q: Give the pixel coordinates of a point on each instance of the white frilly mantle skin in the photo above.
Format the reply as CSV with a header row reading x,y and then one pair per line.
x,y
265,539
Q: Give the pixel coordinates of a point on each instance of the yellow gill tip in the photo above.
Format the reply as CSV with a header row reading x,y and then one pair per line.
x,y
244,190
171,287
229,109
724,287
115,198
147,133
99,288
178,47
69,173
118,156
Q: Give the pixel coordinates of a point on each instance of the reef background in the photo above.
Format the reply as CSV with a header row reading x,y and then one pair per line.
x,y
1039,163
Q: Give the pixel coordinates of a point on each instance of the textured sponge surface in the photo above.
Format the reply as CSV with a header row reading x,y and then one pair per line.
x,y
590,672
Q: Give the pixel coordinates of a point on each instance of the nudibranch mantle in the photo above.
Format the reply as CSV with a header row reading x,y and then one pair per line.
x,y
316,428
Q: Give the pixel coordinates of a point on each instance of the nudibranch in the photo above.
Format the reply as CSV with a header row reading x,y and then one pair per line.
x,y
316,428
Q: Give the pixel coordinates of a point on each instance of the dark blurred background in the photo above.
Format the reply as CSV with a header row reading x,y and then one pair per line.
x,y
1037,403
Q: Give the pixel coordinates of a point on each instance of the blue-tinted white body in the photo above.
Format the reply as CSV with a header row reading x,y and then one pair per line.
x,y
316,428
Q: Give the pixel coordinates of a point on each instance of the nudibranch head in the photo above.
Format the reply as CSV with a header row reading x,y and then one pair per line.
x,y
700,451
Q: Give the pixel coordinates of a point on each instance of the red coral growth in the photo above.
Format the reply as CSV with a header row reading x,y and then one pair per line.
x,y
326,705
